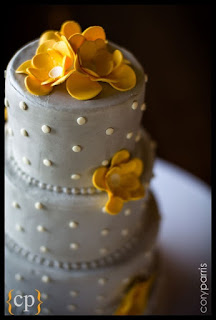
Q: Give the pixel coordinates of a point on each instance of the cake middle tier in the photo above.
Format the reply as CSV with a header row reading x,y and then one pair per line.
x,y
60,140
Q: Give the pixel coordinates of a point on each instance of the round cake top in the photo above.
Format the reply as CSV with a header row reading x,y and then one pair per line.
x,y
59,99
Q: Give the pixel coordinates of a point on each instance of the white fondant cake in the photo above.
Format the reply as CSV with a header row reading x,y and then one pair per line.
x,y
59,238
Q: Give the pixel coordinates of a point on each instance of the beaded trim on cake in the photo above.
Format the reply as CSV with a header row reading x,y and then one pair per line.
x,y
42,185
85,265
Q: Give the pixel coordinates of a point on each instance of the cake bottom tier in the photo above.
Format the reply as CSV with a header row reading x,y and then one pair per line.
x,y
82,292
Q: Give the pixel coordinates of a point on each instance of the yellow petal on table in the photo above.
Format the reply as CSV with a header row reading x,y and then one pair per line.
x,y
126,78
138,193
56,57
98,178
62,79
42,61
134,166
45,46
40,74
114,204
76,41
34,86
81,87
48,35
24,66
69,28
120,157
117,58
63,48
93,33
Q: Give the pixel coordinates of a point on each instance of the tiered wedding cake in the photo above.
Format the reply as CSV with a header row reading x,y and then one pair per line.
x,y
81,223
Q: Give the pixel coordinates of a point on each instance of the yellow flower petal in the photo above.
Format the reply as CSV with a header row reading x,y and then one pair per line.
x,y
69,28
117,58
24,66
94,75
134,166
48,35
5,114
34,86
126,78
67,64
93,33
40,74
63,48
56,57
42,61
120,185
135,300
98,178
120,157
76,41
81,87
45,46
114,204
103,62
86,53
62,79
138,193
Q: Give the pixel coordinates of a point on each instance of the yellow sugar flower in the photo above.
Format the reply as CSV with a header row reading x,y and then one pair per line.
x,y
136,299
94,63
121,181
52,65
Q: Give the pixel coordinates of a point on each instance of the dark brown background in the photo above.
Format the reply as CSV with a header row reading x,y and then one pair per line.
x,y
173,43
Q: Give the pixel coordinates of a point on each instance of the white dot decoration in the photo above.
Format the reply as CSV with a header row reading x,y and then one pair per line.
x,y
105,232
40,228
23,132
127,212
129,135
76,148
138,137
45,279
103,251
6,103
124,232
45,128
81,121
18,227
74,246
134,105
73,224
26,161
71,307
105,162
43,249
18,277
125,280
102,281
104,210
23,105
109,131
10,131
75,176
47,162
73,293
15,205
38,206
143,107
44,296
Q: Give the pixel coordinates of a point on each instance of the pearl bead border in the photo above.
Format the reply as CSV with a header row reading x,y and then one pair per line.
x,y
82,265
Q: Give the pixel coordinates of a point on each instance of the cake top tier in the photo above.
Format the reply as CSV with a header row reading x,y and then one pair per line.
x,y
95,75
